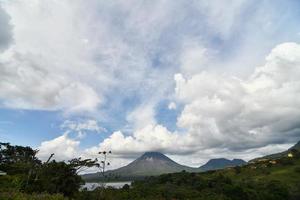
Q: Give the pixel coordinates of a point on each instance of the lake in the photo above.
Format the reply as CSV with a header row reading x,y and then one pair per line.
x,y
92,186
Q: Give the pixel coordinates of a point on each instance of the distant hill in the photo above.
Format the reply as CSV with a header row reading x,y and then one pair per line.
x,y
156,163
221,163
149,164
278,155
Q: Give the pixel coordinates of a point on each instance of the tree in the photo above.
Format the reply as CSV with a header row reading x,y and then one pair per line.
x,y
82,164
57,177
18,159
22,164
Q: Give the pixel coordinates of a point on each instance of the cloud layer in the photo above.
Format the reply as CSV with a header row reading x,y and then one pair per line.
x,y
222,115
5,32
128,65
224,112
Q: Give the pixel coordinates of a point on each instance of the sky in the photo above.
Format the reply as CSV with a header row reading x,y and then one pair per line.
x,y
192,79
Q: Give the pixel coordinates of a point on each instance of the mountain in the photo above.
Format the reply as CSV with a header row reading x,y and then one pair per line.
x,y
221,163
296,146
278,155
149,164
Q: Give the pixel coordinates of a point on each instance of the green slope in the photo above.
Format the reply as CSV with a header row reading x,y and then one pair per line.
x,y
278,155
256,181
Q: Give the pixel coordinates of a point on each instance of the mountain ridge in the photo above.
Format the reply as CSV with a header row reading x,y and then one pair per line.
x,y
155,163
221,163
278,155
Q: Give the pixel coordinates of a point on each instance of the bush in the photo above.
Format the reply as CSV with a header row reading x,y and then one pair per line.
x,y
297,169
286,161
238,169
14,195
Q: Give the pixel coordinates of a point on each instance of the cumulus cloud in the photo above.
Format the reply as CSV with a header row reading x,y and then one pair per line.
x,y
66,148
151,137
23,86
223,116
63,147
103,49
71,55
37,72
224,113
118,59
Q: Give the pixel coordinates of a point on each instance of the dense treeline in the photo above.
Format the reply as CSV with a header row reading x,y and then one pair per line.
x,y
191,186
29,178
28,174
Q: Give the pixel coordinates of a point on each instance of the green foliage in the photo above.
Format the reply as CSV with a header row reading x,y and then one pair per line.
x,y
56,177
259,181
7,182
297,169
28,174
237,169
17,159
193,186
14,195
82,164
31,179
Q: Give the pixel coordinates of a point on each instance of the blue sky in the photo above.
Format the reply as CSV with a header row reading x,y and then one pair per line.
x,y
192,79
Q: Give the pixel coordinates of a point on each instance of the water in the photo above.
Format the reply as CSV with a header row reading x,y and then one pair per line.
x,y
92,186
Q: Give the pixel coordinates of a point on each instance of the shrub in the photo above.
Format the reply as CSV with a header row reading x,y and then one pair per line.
x,y
15,195
297,169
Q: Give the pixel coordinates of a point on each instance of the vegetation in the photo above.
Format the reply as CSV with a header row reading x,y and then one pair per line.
x,y
27,174
281,154
265,179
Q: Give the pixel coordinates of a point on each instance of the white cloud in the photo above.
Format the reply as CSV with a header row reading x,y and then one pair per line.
x,y
77,56
5,32
227,116
104,49
151,137
193,58
26,87
71,56
223,111
222,17
172,106
222,117
142,116
38,71
82,127
63,147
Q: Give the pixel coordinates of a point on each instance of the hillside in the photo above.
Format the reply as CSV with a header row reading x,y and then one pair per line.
x,y
149,164
156,163
221,163
278,155
262,180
